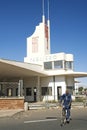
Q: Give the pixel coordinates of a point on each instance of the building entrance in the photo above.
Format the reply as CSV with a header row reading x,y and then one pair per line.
x,y
35,94
59,92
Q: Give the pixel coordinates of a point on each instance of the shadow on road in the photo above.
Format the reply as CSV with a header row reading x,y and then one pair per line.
x,y
51,117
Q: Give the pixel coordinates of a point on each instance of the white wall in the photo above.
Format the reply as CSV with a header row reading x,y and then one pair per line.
x,y
48,82
69,81
60,81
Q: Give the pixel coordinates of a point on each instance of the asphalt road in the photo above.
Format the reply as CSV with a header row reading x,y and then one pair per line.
x,y
48,119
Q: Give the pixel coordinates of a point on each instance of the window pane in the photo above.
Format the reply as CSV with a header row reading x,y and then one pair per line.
x,y
9,92
47,65
28,91
68,65
16,91
46,91
58,64
50,91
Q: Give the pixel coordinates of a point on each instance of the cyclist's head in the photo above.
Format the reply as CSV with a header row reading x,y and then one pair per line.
x,y
67,91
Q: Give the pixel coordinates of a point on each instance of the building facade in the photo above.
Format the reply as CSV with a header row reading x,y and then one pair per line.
x,y
42,76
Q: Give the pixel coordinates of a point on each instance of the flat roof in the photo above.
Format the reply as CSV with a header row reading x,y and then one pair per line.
x,y
9,69
15,69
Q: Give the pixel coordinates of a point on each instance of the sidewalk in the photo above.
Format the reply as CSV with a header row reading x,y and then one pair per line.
x,y
36,106
9,113
41,105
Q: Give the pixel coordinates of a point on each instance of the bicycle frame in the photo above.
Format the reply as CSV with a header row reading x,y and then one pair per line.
x,y
63,117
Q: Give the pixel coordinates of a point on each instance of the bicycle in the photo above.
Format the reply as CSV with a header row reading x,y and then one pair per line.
x,y
63,116
64,119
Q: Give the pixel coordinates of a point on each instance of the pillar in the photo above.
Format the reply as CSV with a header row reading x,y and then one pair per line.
x,y
38,89
20,88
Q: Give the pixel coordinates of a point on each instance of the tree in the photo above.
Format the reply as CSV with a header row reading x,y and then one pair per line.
x,y
80,90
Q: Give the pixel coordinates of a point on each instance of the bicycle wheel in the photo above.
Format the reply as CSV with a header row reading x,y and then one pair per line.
x,y
63,117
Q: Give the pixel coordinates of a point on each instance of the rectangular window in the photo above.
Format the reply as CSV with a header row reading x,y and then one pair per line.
x,y
1,90
46,91
58,64
16,91
9,92
28,91
47,65
68,65
35,44
50,91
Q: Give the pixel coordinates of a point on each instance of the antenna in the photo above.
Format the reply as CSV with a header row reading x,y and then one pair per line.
x,y
48,9
43,17
43,7
48,23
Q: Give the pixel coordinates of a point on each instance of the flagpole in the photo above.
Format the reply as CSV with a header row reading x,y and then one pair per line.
x,y
43,7
43,17
48,9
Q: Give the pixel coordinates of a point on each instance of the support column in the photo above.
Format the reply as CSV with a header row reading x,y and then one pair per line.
x,y
19,94
21,85
38,89
54,86
20,88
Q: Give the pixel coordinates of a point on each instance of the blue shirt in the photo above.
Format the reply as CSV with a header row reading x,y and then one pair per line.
x,y
66,99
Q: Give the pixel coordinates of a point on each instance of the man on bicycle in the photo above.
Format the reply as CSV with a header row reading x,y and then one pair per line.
x,y
66,100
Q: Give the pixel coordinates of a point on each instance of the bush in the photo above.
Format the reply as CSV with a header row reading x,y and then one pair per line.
x,y
79,99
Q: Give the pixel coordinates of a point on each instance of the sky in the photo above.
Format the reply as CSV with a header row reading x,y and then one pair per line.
x,y
68,28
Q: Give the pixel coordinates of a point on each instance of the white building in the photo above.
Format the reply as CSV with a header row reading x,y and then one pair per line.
x,y
42,76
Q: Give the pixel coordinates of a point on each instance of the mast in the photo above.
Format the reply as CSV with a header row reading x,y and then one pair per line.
x,y
48,23
46,27
43,16
48,9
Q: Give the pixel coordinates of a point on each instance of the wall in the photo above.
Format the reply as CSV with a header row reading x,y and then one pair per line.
x,y
30,82
48,82
11,103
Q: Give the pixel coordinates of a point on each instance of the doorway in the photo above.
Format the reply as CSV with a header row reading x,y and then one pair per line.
x,y
59,92
35,94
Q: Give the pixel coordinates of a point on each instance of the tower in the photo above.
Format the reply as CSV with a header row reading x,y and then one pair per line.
x,y
38,44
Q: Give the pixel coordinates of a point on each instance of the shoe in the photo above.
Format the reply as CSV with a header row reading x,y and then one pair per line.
x,y
68,121
64,121
70,118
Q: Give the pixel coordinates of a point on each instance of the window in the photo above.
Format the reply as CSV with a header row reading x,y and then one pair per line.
x,y
50,90
68,65
16,91
35,44
28,91
1,90
9,92
47,65
58,64
46,91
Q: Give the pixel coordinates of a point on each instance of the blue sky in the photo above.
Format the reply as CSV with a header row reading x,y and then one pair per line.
x,y
68,19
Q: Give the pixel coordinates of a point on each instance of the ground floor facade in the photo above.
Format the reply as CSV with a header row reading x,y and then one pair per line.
x,y
36,88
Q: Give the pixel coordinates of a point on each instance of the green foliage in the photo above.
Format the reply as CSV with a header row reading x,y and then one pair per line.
x,y
79,100
80,89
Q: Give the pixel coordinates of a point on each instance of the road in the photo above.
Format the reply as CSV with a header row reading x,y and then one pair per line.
x,y
48,119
